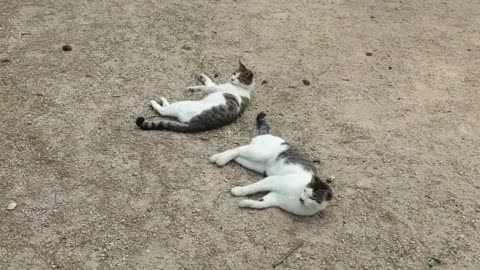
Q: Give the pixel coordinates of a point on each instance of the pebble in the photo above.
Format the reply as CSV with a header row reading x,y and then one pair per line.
x,y
135,174
186,47
216,75
306,82
369,53
12,206
432,262
67,48
264,82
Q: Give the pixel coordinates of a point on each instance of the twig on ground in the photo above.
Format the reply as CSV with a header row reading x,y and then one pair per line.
x,y
297,245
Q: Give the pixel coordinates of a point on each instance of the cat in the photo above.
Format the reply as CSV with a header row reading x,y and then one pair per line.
x,y
291,181
224,104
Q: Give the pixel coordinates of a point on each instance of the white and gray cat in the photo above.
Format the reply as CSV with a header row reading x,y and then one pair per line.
x,y
291,181
222,106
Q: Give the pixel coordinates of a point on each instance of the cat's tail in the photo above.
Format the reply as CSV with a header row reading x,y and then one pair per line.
x,y
262,125
166,125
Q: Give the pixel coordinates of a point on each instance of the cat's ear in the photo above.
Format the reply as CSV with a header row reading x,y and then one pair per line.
x,y
318,183
242,66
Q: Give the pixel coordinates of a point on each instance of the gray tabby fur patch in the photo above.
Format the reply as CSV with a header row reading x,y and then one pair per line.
x,y
295,155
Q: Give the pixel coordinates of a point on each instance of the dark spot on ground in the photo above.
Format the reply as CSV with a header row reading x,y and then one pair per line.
x,y
369,53
186,47
306,82
67,48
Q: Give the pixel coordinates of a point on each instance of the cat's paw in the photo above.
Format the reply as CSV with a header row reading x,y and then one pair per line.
x,y
156,106
213,158
204,79
246,203
194,88
220,159
237,191
164,101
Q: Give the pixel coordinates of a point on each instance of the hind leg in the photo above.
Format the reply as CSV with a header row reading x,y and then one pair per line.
x,y
165,110
250,164
224,157
251,153
165,102
157,107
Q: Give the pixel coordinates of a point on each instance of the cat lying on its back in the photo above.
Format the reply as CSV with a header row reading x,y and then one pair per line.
x,y
224,104
291,181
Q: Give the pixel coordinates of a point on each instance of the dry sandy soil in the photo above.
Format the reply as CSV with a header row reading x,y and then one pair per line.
x,y
399,129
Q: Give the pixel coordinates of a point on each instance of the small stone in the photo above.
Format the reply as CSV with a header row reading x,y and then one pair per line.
x,y
216,75
432,262
67,48
369,53
5,60
389,68
316,161
11,206
135,174
467,50
306,82
186,47
372,16
264,82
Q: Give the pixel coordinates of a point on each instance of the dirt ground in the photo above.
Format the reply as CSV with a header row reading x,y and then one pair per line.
x,y
399,129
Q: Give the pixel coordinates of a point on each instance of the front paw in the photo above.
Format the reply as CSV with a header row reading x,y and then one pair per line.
x,y
195,88
214,158
154,104
238,191
204,79
246,203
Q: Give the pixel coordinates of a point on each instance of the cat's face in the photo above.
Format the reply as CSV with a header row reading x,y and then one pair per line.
x,y
316,194
242,76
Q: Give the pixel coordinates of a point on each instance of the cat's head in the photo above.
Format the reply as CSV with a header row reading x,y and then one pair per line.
x,y
316,194
242,77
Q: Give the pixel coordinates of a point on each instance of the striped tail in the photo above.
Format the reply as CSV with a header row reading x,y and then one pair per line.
x,y
262,125
167,125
